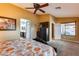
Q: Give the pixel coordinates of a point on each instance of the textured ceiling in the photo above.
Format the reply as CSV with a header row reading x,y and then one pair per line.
x,y
67,9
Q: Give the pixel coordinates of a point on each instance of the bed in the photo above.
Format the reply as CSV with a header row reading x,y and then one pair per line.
x,y
25,47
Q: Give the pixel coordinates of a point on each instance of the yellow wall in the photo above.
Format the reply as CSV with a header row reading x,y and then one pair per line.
x,y
66,19
44,18
12,11
70,19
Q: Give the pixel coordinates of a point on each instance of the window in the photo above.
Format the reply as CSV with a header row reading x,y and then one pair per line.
x,y
68,29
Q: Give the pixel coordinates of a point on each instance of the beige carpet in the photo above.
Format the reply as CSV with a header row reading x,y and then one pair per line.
x,y
65,48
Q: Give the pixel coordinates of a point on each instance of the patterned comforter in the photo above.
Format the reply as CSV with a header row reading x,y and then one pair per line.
x,y
24,47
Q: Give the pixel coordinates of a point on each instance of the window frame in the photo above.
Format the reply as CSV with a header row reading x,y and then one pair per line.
x,y
65,28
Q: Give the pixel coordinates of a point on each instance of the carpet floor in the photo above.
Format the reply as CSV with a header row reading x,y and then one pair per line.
x,y
65,48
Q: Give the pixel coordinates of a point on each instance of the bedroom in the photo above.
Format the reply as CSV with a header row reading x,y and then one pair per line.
x,y
17,11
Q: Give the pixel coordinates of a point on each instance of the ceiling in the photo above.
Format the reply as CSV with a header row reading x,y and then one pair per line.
x,y
67,9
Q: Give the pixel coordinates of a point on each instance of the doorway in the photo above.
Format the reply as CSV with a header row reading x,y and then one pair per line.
x,y
25,28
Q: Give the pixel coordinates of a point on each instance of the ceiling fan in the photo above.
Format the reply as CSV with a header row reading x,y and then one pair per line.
x,y
38,7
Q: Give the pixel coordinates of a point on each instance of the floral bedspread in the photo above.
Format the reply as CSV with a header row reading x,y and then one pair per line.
x,y
24,47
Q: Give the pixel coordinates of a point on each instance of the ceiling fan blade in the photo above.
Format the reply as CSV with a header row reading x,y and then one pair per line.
x,y
42,10
44,5
35,11
30,8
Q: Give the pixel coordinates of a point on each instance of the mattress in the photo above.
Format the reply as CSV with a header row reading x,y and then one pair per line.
x,y
25,47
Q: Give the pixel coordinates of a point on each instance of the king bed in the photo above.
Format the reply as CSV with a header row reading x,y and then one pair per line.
x,y
25,47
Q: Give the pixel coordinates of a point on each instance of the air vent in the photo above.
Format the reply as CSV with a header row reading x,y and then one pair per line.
x,y
57,7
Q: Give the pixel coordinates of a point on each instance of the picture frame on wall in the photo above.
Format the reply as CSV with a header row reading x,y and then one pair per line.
x,y
7,23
